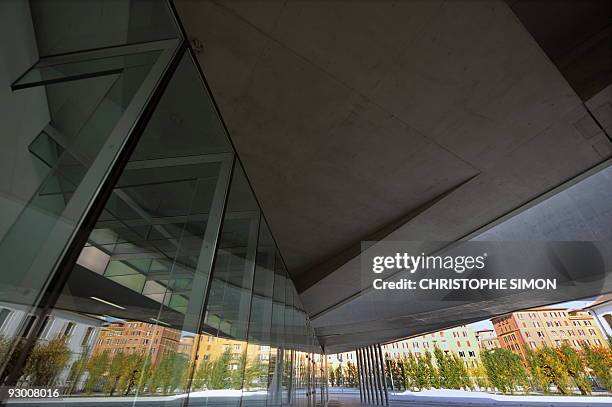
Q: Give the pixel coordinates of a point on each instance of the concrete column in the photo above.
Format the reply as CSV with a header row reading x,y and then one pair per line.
x,y
366,362
364,375
359,372
376,375
373,374
383,376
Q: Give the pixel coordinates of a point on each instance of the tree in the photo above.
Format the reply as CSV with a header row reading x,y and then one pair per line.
x,y
339,376
331,373
575,368
237,375
505,371
552,366
169,374
219,377
129,372
352,377
96,367
461,375
202,375
409,368
433,377
144,376
46,361
452,371
539,379
479,373
421,375
255,375
599,360
77,369
115,369
8,355
396,373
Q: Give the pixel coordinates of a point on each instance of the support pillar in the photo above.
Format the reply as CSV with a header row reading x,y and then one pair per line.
x,y
383,375
359,374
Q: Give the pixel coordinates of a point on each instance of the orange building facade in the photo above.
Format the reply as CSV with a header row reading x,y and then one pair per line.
x,y
137,337
538,327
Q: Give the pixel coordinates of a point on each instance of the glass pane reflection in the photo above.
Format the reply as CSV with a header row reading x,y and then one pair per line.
x,y
180,296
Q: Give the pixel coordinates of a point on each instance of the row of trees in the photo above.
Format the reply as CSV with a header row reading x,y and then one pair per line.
x,y
347,376
123,373
44,364
421,372
501,370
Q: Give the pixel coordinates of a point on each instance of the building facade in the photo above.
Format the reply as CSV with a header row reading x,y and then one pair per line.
x,y
138,337
487,339
461,341
539,327
78,332
601,309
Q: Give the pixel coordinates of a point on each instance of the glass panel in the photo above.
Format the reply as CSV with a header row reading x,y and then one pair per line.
x,y
90,137
224,354
126,322
288,344
67,26
143,316
84,68
276,365
255,388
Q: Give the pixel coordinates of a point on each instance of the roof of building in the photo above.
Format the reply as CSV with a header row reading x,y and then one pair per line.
x,y
601,300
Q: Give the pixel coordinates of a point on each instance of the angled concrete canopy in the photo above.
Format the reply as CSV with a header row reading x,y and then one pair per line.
x,y
409,120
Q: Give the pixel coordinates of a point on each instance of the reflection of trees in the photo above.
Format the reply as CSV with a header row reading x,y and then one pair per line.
x,y
8,355
255,375
218,374
96,368
170,374
46,361
77,370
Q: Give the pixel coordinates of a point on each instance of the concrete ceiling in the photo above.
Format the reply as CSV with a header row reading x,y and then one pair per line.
x,y
406,120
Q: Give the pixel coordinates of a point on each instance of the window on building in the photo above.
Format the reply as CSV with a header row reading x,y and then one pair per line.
x,y
27,325
5,315
68,330
47,324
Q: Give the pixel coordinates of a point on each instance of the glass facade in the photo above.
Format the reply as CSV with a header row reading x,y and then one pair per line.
x,y
139,267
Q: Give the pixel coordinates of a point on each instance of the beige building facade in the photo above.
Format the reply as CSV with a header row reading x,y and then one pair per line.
x,y
538,327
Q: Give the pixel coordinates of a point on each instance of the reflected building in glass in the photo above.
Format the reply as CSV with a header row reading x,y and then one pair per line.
x,y
137,264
